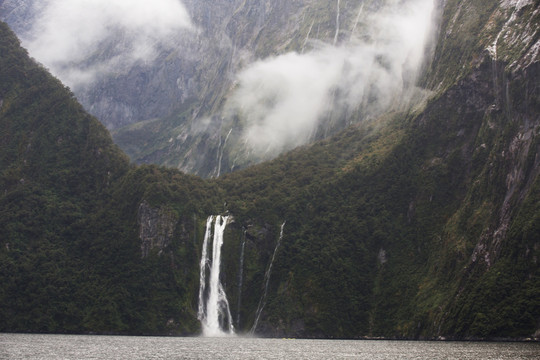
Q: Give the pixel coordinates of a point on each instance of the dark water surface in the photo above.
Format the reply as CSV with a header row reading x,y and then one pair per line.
x,y
23,346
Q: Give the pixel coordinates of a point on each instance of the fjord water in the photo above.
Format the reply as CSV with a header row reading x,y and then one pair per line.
x,y
45,347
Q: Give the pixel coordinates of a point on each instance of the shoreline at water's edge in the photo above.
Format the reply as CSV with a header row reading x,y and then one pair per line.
x,y
367,338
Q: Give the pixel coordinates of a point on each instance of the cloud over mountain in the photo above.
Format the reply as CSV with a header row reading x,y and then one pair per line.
x,y
80,39
284,99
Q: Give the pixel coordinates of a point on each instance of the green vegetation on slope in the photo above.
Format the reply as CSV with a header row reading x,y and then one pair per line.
x,y
419,225
70,254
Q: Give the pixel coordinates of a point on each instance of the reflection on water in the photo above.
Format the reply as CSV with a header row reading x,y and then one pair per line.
x,y
19,346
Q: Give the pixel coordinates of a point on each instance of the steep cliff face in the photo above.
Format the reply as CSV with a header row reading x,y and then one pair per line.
x,y
172,110
156,228
438,229
197,136
488,232
490,153
19,14
422,223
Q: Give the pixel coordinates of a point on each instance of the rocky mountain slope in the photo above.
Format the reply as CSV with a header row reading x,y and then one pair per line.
x,y
422,223
175,108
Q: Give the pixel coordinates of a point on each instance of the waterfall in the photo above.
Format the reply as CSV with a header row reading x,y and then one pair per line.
x,y
307,37
240,279
337,23
262,301
214,313
356,21
492,49
203,265
221,150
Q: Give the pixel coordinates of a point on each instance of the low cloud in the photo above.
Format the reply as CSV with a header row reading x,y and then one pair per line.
x,y
284,100
81,39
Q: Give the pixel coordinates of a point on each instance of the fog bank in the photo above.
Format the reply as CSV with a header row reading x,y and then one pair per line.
x,y
284,99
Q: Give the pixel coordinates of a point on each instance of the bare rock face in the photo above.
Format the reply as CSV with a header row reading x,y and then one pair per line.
x,y
19,14
156,228
168,111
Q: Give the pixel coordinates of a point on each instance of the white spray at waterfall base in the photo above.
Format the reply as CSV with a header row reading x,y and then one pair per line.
x,y
214,312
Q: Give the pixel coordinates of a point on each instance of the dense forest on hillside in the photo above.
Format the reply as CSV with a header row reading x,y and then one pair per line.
x,y
68,217
423,223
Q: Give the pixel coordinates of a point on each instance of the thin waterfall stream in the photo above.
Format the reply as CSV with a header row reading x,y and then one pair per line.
x,y
338,14
262,301
240,279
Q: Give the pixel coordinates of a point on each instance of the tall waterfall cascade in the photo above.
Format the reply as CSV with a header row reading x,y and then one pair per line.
x,y
213,312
